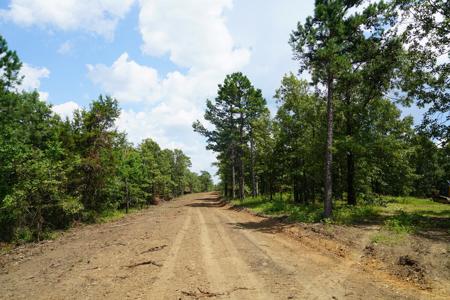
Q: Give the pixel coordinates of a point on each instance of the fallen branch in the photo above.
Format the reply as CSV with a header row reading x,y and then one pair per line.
x,y
206,294
209,294
154,249
149,262
190,294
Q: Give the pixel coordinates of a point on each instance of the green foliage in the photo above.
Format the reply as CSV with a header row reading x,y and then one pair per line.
x,y
110,215
23,235
426,67
402,223
349,214
397,216
360,61
10,66
388,238
55,172
206,183
234,114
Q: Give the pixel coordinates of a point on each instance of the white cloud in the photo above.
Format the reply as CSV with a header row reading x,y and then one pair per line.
x,y
126,80
266,30
168,105
65,110
195,36
43,96
193,33
198,38
97,16
152,124
32,79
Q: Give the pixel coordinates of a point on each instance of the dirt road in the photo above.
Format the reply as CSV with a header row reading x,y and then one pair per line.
x,y
191,248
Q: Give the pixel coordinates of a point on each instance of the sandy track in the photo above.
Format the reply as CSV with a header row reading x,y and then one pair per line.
x,y
193,248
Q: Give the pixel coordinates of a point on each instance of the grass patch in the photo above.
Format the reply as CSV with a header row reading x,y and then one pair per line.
x,y
409,214
282,206
51,234
110,216
5,248
397,215
388,238
113,215
402,223
311,213
423,207
347,215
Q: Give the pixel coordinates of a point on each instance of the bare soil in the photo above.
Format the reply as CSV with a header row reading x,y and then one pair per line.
x,y
197,247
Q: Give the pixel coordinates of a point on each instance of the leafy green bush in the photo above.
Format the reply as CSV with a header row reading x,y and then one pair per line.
x,y
306,214
23,235
402,223
355,214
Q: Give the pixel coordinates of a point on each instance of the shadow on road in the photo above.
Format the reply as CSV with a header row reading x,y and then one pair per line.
x,y
270,225
208,202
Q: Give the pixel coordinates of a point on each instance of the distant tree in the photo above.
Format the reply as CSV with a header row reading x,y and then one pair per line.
x,y
10,66
33,172
342,49
319,46
299,133
206,182
180,171
95,140
131,177
426,67
150,155
235,109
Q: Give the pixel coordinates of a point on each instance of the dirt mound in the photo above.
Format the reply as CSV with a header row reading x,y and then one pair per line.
x,y
415,261
410,269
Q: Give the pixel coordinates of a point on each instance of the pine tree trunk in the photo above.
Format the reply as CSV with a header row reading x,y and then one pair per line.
x,y
329,151
241,158
351,197
233,175
241,178
271,188
252,154
127,196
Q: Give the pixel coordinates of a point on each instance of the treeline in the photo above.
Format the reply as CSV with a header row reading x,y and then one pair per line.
x,y
54,171
340,134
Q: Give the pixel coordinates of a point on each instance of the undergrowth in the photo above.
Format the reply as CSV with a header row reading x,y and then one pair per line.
x,y
397,215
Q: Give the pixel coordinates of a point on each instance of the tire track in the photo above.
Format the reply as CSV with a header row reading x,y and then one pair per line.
x,y
213,253
315,280
161,286
212,268
247,278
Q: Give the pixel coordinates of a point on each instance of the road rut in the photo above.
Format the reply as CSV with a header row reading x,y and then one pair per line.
x,y
192,248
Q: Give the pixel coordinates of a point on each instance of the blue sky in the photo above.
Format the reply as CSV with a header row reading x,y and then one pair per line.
x,y
160,58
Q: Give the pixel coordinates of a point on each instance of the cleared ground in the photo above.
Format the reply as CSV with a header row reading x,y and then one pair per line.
x,y
193,248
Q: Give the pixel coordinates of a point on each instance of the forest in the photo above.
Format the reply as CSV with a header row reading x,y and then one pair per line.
x,y
330,149
338,135
55,172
